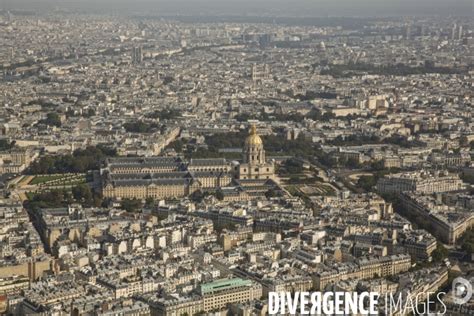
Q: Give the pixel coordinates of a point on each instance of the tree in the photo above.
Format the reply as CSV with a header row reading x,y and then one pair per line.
x,y
5,145
366,182
82,160
177,145
52,119
83,193
89,113
293,166
219,195
49,199
62,197
440,253
271,193
352,163
377,165
149,202
244,117
197,196
167,80
141,127
467,178
131,205
166,114
467,241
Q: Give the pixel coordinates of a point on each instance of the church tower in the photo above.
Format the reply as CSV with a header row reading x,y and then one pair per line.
x,y
254,165
254,154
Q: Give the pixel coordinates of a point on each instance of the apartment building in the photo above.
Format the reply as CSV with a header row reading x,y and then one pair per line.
x,y
209,297
424,181
365,268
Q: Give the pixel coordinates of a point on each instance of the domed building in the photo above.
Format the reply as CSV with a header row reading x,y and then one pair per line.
x,y
254,164
162,177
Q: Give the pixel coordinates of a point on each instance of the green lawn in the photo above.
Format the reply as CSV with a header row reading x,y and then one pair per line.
x,y
293,189
45,178
58,179
325,189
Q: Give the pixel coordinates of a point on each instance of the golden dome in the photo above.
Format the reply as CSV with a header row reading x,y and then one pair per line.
x,y
253,138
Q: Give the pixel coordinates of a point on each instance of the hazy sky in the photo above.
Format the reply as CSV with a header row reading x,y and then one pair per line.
x,y
254,7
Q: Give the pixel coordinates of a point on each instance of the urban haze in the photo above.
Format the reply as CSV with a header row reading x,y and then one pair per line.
x,y
185,157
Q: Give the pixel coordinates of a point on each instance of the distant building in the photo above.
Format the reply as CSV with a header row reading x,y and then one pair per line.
x,y
408,32
260,73
137,54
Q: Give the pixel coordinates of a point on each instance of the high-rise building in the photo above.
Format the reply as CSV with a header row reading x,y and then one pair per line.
x,y
137,54
408,32
453,31
460,32
424,31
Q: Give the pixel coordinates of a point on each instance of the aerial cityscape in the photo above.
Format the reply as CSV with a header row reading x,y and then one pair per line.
x,y
195,164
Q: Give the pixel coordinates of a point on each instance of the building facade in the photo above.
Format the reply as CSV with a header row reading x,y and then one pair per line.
x,y
171,177
254,164
426,182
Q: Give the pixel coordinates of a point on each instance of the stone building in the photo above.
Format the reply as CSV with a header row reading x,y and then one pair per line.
x,y
162,177
169,177
426,182
255,165
363,269
208,297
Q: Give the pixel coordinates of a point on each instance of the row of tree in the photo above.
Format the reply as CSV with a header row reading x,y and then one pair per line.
x,y
274,145
143,127
52,119
81,194
166,114
82,160
6,145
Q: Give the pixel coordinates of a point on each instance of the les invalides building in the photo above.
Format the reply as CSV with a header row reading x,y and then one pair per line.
x,y
254,164
174,177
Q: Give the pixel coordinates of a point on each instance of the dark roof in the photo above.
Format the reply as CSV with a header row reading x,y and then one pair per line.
x,y
149,176
148,182
208,162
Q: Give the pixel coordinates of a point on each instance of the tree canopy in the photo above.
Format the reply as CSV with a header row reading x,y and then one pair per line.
x,y
82,160
52,119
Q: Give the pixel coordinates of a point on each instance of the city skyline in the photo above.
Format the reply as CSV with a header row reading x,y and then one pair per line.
x,y
236,158
317,8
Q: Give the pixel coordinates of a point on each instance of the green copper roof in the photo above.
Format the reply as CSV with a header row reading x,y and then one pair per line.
x,y
223,284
